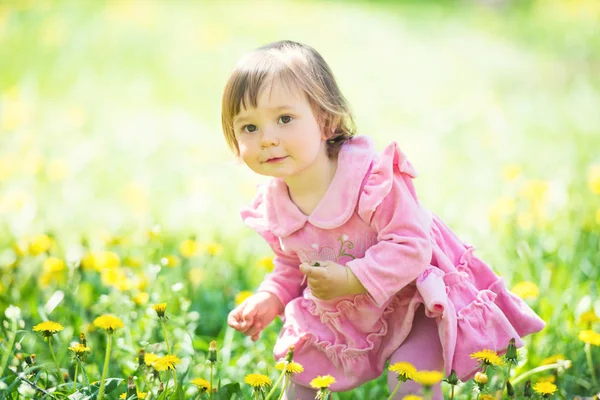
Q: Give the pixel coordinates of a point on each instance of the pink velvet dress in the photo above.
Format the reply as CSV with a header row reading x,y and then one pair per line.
x,y
370,221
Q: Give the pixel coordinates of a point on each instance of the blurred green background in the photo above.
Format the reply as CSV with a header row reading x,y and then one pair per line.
x,y
110,125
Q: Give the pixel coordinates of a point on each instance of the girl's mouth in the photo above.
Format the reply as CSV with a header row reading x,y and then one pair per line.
x,y
275,160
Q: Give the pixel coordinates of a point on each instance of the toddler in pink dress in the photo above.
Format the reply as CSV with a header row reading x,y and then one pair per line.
x,y
363,273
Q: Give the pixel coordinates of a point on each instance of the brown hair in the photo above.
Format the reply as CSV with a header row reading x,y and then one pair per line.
x,y
295,64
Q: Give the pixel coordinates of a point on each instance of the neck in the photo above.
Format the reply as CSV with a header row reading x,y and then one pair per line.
x,y
314,181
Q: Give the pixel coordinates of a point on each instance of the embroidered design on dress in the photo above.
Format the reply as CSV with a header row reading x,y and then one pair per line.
x,y
328,253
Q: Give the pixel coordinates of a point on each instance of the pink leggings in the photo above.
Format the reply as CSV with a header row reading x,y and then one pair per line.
x,y
422,348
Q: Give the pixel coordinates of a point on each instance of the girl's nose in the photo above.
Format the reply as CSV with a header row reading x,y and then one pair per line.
x,y
269,138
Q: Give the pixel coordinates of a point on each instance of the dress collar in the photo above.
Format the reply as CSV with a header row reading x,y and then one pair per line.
x,y
339,202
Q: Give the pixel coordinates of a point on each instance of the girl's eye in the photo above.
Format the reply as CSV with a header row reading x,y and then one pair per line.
x,y
249,128
285,119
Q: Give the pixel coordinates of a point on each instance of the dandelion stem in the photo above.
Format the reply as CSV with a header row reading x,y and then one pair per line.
x,y
395,390
75,377
506,380
211,381
60,377
174,372
284,388
105,369
533,371
274,387
162,323
588,356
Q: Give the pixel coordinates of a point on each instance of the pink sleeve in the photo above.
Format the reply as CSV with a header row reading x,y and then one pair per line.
x,y
389,203
285,281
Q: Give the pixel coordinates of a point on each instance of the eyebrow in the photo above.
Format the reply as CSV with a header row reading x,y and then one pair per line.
x,y
238,119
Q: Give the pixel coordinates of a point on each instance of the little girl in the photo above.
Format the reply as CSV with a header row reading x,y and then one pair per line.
x,y
363,273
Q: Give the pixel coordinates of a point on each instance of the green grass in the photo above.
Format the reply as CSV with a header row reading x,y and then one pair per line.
x,y
110,122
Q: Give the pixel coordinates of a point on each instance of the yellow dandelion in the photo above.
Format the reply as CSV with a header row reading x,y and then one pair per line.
x,y
292,367
511,172
171,261
196,276
594,178
213,248
108,322
48,328
150,358
160,309
54,265
188,248
545,388
412,397
322,382
404,370
488,357
241,296
257,380
266,263
549,379
598,216
526,290
79,349
428,378
588,317
486,397
167,362
40,244
481,378
140,395
141,298
553,359
590,337
201,384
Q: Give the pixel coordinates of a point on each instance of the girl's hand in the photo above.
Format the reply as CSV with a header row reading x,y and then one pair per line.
x,y
330,280
255,313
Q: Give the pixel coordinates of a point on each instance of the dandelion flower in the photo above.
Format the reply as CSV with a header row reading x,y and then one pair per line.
x,y
202,384
428,378
486,397
213,249
140,395
545,388
322,382
292,367
141,298
588,317
481,378
170,261
150,358
188,248
266,263
167,362
405,370
257,380
241,296
79,349
488,357
48,328
526,290
590,337
553,359
108,322
412,397
160,309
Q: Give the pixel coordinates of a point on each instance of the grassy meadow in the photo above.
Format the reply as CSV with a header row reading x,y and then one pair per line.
x,y
118,194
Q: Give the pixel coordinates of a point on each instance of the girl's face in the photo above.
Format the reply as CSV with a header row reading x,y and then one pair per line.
x,y
281,137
